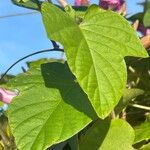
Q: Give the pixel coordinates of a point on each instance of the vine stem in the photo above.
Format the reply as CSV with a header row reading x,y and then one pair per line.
x,y
5,138
140,106
42,51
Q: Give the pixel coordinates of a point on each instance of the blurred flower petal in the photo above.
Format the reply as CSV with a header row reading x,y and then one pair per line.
x,y
81,2
6,96
148,31
146,41
111,4
143,30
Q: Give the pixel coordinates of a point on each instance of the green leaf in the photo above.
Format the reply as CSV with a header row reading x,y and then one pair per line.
x,y
146,19
31,4
128,95
73,143
59,146
23,0
37,63
95,50
145,147
142,132
77,15
103,135
51,107
146,5
70,11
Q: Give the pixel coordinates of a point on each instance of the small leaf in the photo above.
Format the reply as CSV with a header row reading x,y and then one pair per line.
x,y
50,108
142,132
128,95
105,134
146,19
23,1
31,4
37,63
95,51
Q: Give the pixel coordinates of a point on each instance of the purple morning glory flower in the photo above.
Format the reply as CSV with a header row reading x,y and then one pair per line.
x,y
111,4
143,30
148,31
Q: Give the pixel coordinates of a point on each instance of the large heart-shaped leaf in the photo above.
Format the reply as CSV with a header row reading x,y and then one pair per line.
x,y
95,50
103,135
50,108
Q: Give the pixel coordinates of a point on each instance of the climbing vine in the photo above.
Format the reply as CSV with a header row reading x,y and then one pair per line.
x,y
87,101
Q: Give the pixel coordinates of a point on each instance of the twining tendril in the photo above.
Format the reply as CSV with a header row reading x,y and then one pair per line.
x,y
56,48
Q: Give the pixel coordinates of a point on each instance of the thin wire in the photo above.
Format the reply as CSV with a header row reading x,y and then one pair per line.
x,y
18,14
42,51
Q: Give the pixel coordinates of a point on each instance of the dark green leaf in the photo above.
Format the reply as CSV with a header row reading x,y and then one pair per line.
x,y
31,4
138,16
146,19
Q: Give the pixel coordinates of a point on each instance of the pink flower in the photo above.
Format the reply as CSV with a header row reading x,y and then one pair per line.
x,y
77,2
6,96
148,31
81,2
111,4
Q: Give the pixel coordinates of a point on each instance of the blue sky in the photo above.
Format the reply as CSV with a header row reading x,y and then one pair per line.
x,y
20,36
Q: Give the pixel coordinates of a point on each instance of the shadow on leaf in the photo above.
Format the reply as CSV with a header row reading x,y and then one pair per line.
x,y
58,75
